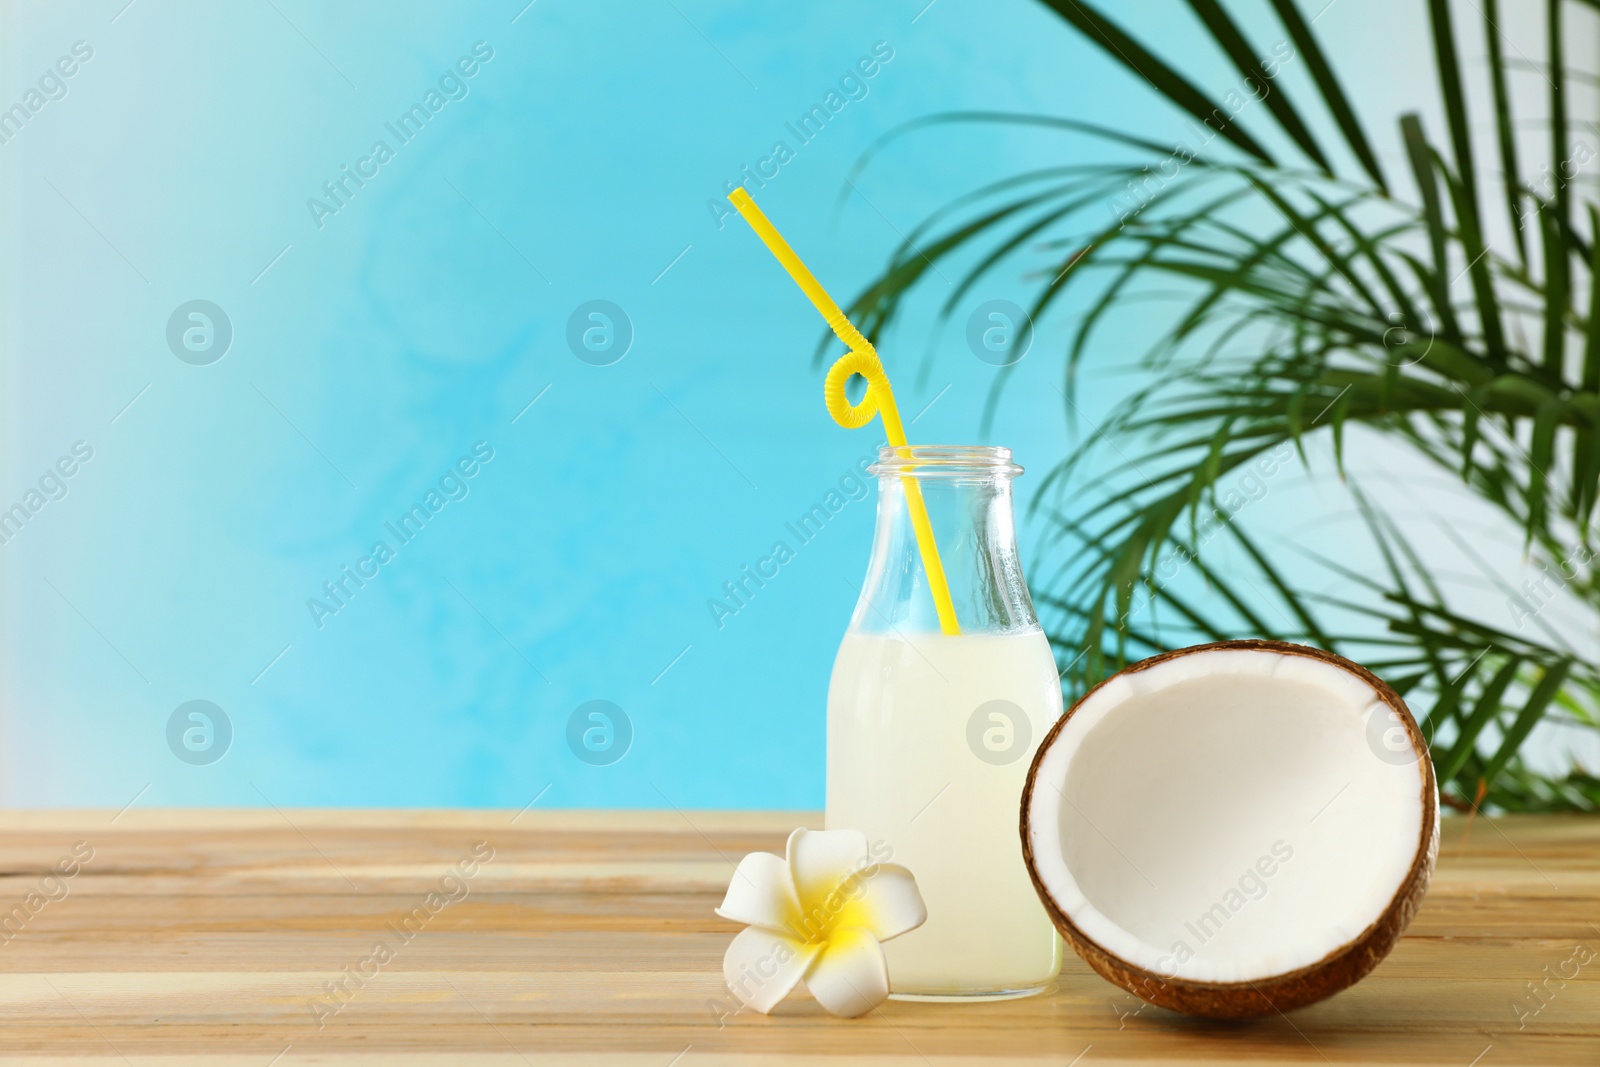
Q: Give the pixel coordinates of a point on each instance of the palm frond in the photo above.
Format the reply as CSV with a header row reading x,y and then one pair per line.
x,y
1308,303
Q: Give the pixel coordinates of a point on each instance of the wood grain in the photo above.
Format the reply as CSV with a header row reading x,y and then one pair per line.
x,y
588,938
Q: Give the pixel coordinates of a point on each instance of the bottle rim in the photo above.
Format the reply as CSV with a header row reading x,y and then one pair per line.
x,y
932,461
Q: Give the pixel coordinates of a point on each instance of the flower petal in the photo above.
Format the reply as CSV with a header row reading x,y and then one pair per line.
x,y
851,977
821,859
762,894
761,967
883,899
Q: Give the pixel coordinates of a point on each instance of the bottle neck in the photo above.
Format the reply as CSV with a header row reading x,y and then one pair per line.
x,y
966,493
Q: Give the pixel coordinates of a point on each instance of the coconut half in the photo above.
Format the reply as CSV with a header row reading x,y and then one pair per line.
x,y
1233,829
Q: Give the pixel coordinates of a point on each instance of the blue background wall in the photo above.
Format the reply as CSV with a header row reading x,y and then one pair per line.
x,y
371,351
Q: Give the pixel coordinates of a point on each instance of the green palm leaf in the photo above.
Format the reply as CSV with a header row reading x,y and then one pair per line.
x,y
1307,304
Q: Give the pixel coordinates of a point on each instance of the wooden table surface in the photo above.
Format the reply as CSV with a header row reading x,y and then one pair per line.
x,y
588,937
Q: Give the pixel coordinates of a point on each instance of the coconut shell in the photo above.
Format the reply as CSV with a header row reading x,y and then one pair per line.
x,y
1336,971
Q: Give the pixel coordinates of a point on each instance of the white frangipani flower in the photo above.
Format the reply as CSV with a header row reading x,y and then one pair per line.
x,y
818,915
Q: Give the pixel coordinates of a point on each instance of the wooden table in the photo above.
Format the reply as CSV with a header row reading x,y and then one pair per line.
x,y
588,938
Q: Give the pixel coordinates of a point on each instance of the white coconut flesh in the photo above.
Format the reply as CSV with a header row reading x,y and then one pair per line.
x,y
1225,816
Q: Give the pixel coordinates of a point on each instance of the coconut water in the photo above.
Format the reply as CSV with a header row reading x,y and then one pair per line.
x,y
929,741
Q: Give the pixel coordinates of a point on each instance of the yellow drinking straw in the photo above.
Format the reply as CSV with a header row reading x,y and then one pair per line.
x,y
862,359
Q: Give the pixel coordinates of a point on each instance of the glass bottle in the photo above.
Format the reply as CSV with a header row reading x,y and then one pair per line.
x,y
930,734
